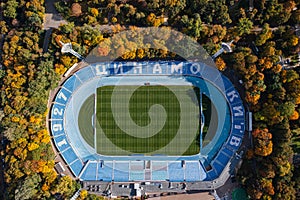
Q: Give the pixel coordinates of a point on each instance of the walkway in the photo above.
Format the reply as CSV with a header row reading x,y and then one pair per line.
x,y
52,20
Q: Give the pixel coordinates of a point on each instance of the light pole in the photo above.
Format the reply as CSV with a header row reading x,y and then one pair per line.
x,y
225,47
67,48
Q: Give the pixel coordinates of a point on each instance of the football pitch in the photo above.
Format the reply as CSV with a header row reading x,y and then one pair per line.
x,y
143,120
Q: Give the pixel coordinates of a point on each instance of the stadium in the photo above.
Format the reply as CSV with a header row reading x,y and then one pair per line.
x,y
147,121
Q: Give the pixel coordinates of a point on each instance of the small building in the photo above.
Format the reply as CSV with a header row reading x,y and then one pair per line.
x,y
59,168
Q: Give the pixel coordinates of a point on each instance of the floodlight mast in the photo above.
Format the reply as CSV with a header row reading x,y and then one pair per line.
x,y
224,47
67,48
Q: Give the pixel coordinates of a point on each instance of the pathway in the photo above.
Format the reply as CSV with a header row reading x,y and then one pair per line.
x,y
52,20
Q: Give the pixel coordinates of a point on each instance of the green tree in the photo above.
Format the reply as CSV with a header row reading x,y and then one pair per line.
x,y
10,9
265,34
28,188
67,28
192,26
65,187
244,26
286,109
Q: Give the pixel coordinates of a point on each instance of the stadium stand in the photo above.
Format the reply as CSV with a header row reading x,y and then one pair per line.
x,y
58,112
216,154
69,155
70,84
85,74
76,167
137,175
90,171
176,171
121,171
63,96
192,171
61,143
159,175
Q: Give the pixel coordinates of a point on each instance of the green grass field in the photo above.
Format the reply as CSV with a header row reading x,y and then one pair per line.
x,y
147,120
86,113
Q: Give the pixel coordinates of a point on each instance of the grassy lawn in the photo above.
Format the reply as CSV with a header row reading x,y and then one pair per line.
x,y
85,120
147,119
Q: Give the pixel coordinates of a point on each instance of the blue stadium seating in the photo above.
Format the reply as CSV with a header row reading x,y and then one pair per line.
x,y
176,172
192,171
105,171
238,126
192,68
76,167
62,96
57,127
159,165
85,74
211,175
137,175
57,111
121,171
69,84
218,166
137,165
121,176
210,73
227,151
222,158
223,83
90,171
61,142
159,175
69,155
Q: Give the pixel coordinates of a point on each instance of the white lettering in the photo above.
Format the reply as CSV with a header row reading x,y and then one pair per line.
x,y
176,68
195,68
61,95
99,71
57,127
157,68
239,110
232,95
62,142
137,69
57,111
237,126
118,69
235,141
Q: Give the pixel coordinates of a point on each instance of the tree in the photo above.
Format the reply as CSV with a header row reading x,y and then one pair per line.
x,y
173,7
65,186
28,188
76,9
289,76
265,34
286,109
3,28
33,18
263,142
67,28
10,9
221,65
244,26
296,17
94,12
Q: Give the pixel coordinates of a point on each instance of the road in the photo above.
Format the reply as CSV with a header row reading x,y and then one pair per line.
x,y
52,20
